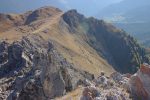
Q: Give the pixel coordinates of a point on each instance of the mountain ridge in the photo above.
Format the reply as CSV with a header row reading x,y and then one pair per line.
x,y
51,55
102,31
132,19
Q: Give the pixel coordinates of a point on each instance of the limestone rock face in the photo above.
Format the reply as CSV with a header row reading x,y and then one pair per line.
x,y
139,83
34,70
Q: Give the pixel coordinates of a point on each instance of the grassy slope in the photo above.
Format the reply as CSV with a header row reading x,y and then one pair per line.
x,y
71,46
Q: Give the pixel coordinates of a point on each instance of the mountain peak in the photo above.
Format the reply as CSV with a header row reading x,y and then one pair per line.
x,y
48,9
72,17
43,12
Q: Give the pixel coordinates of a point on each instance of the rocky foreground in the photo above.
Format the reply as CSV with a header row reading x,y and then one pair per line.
x,y
119,87
32,69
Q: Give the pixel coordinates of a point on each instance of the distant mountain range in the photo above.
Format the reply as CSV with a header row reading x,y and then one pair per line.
x,y
90,8
131,15
126,9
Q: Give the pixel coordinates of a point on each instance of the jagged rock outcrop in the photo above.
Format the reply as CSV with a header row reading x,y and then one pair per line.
x,y
33,69
120,87
104,88
72,18
139,83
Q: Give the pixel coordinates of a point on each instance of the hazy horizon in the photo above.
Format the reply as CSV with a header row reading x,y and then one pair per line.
x,y
87,7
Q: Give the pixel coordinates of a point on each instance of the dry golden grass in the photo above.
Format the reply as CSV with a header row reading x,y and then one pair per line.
x,y
74,95
71,46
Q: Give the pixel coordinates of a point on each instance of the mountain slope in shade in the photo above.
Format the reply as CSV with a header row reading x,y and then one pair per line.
x,y
133,19
107,40
50,52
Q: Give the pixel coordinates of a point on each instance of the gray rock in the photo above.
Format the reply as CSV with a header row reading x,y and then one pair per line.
x,y
38,71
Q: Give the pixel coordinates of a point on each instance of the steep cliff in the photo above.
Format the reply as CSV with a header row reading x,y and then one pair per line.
x,y
114,45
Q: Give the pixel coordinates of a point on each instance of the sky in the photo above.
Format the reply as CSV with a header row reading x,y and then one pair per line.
x,y
87,7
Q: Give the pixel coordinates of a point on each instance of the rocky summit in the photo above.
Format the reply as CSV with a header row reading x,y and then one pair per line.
x,y
48,54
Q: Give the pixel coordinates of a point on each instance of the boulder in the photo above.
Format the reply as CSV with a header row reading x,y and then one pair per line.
x,y
90,93
116,76
139,83
37,71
